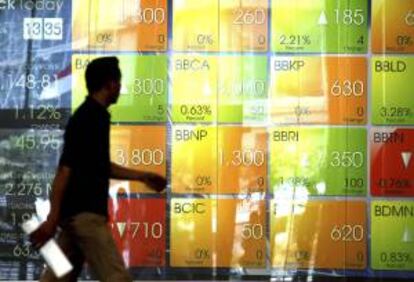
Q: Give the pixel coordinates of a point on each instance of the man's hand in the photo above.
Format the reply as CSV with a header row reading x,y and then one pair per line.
x,y
155,181
45,231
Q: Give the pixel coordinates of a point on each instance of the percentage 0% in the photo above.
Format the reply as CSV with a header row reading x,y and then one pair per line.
x,y
203,180
205,39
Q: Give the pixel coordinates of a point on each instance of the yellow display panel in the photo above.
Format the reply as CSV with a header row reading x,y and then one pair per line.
x,y
195,25
125,25
243,25
241,236
194,88
138,147
192,233
318,234
194,159
243,160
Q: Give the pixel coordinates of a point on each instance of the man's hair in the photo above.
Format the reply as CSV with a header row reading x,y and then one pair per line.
x,y
101,70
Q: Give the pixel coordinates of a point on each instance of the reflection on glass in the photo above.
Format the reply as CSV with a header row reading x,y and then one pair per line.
x,y
326,161
127,25
28,159
243,25
240,239
138,227
318,234
144,87
195,25
138,147
191,235
242,162
242,89
194,159
319,90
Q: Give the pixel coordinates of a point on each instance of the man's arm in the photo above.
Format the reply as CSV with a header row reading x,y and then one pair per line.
x,y
48,228
120,172
153,180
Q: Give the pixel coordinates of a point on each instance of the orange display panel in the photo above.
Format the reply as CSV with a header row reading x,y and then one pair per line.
x,y
192,233
138,227
243,160
321,90
241,233
126,25
194,159
243,25
318,234
392,26
138,147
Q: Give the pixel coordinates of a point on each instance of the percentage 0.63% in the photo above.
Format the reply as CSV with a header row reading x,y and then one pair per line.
x,y
195,110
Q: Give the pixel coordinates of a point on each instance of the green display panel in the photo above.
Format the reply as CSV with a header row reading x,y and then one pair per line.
x,y
319,26
318,161
392,90
143,95
392,235
242,89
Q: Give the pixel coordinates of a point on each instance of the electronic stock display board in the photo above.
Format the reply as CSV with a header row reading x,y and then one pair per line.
x,y
285,129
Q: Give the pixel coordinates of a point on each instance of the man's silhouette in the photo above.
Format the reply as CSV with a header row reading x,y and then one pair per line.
x,y
79,195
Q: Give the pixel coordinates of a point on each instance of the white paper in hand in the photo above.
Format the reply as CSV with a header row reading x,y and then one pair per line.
x,y
52,254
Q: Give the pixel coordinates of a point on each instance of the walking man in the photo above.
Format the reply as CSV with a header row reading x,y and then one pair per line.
x,y
80,189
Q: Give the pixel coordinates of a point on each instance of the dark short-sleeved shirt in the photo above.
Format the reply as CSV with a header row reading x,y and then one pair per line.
x,y
86,152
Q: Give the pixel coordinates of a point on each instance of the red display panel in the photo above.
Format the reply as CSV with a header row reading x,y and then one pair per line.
x,y
392,164
138,227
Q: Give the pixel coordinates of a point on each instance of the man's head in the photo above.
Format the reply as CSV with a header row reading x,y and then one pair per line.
x,y
103,77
